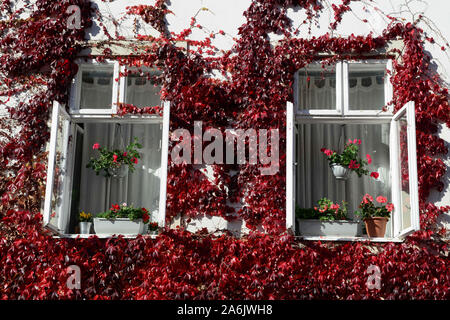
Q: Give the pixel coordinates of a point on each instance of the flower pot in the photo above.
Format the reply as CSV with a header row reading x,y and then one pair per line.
x,y
85,227
340,172
153,232
336,228
376,226
119,171
118,226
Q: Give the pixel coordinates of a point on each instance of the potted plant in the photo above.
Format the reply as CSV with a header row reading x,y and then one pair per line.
x,y
375,217
342,164
121,219
326,219
115,163
85,222
153,228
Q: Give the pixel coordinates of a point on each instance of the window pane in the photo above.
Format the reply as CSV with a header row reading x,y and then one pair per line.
x,y
404,174
315,178
139,188
317,88
142,90
366,86
96,88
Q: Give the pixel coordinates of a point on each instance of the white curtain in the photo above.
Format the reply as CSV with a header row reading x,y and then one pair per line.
x,y
315,179
140,188
141,92
366,92
317,93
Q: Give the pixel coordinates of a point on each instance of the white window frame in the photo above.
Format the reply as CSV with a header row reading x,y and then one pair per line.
x,y
296,116
77,115
123,81
342,92
75,90
387,88
408,111
319,112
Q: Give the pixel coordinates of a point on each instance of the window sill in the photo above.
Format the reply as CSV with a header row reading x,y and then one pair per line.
x,y
103,236
334,238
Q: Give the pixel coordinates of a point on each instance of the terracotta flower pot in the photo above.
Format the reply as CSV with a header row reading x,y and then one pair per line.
x,y
376,226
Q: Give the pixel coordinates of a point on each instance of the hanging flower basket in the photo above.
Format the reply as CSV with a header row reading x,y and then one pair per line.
x,y
340,172
118,171
115,163
342,164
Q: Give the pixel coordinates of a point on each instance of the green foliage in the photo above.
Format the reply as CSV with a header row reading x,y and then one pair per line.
x,y
326,210
125,211
114,158
369,210
348,158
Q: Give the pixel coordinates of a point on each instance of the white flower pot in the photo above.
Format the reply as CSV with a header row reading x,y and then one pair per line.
x,y
118,226
340,172
337,228
119,171
85,227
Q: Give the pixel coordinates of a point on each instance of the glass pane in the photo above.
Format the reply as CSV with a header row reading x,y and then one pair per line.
x,y
317,88
404,174
315,178
142,90
366,86
60,171
139,188
96,88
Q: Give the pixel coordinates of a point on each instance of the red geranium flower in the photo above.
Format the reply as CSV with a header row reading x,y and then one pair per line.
x,y
96,146
374,175
381,199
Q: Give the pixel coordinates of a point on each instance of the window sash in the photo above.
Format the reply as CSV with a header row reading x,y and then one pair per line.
x,y
342,93
394,148
75,92
409,110
57,111
335,111
346,89
70,128
290,167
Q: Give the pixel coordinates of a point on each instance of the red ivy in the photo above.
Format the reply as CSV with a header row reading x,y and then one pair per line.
x,y
258,83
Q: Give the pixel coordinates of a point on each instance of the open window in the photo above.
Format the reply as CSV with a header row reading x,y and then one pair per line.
x,y
72,187
405,193
389,139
